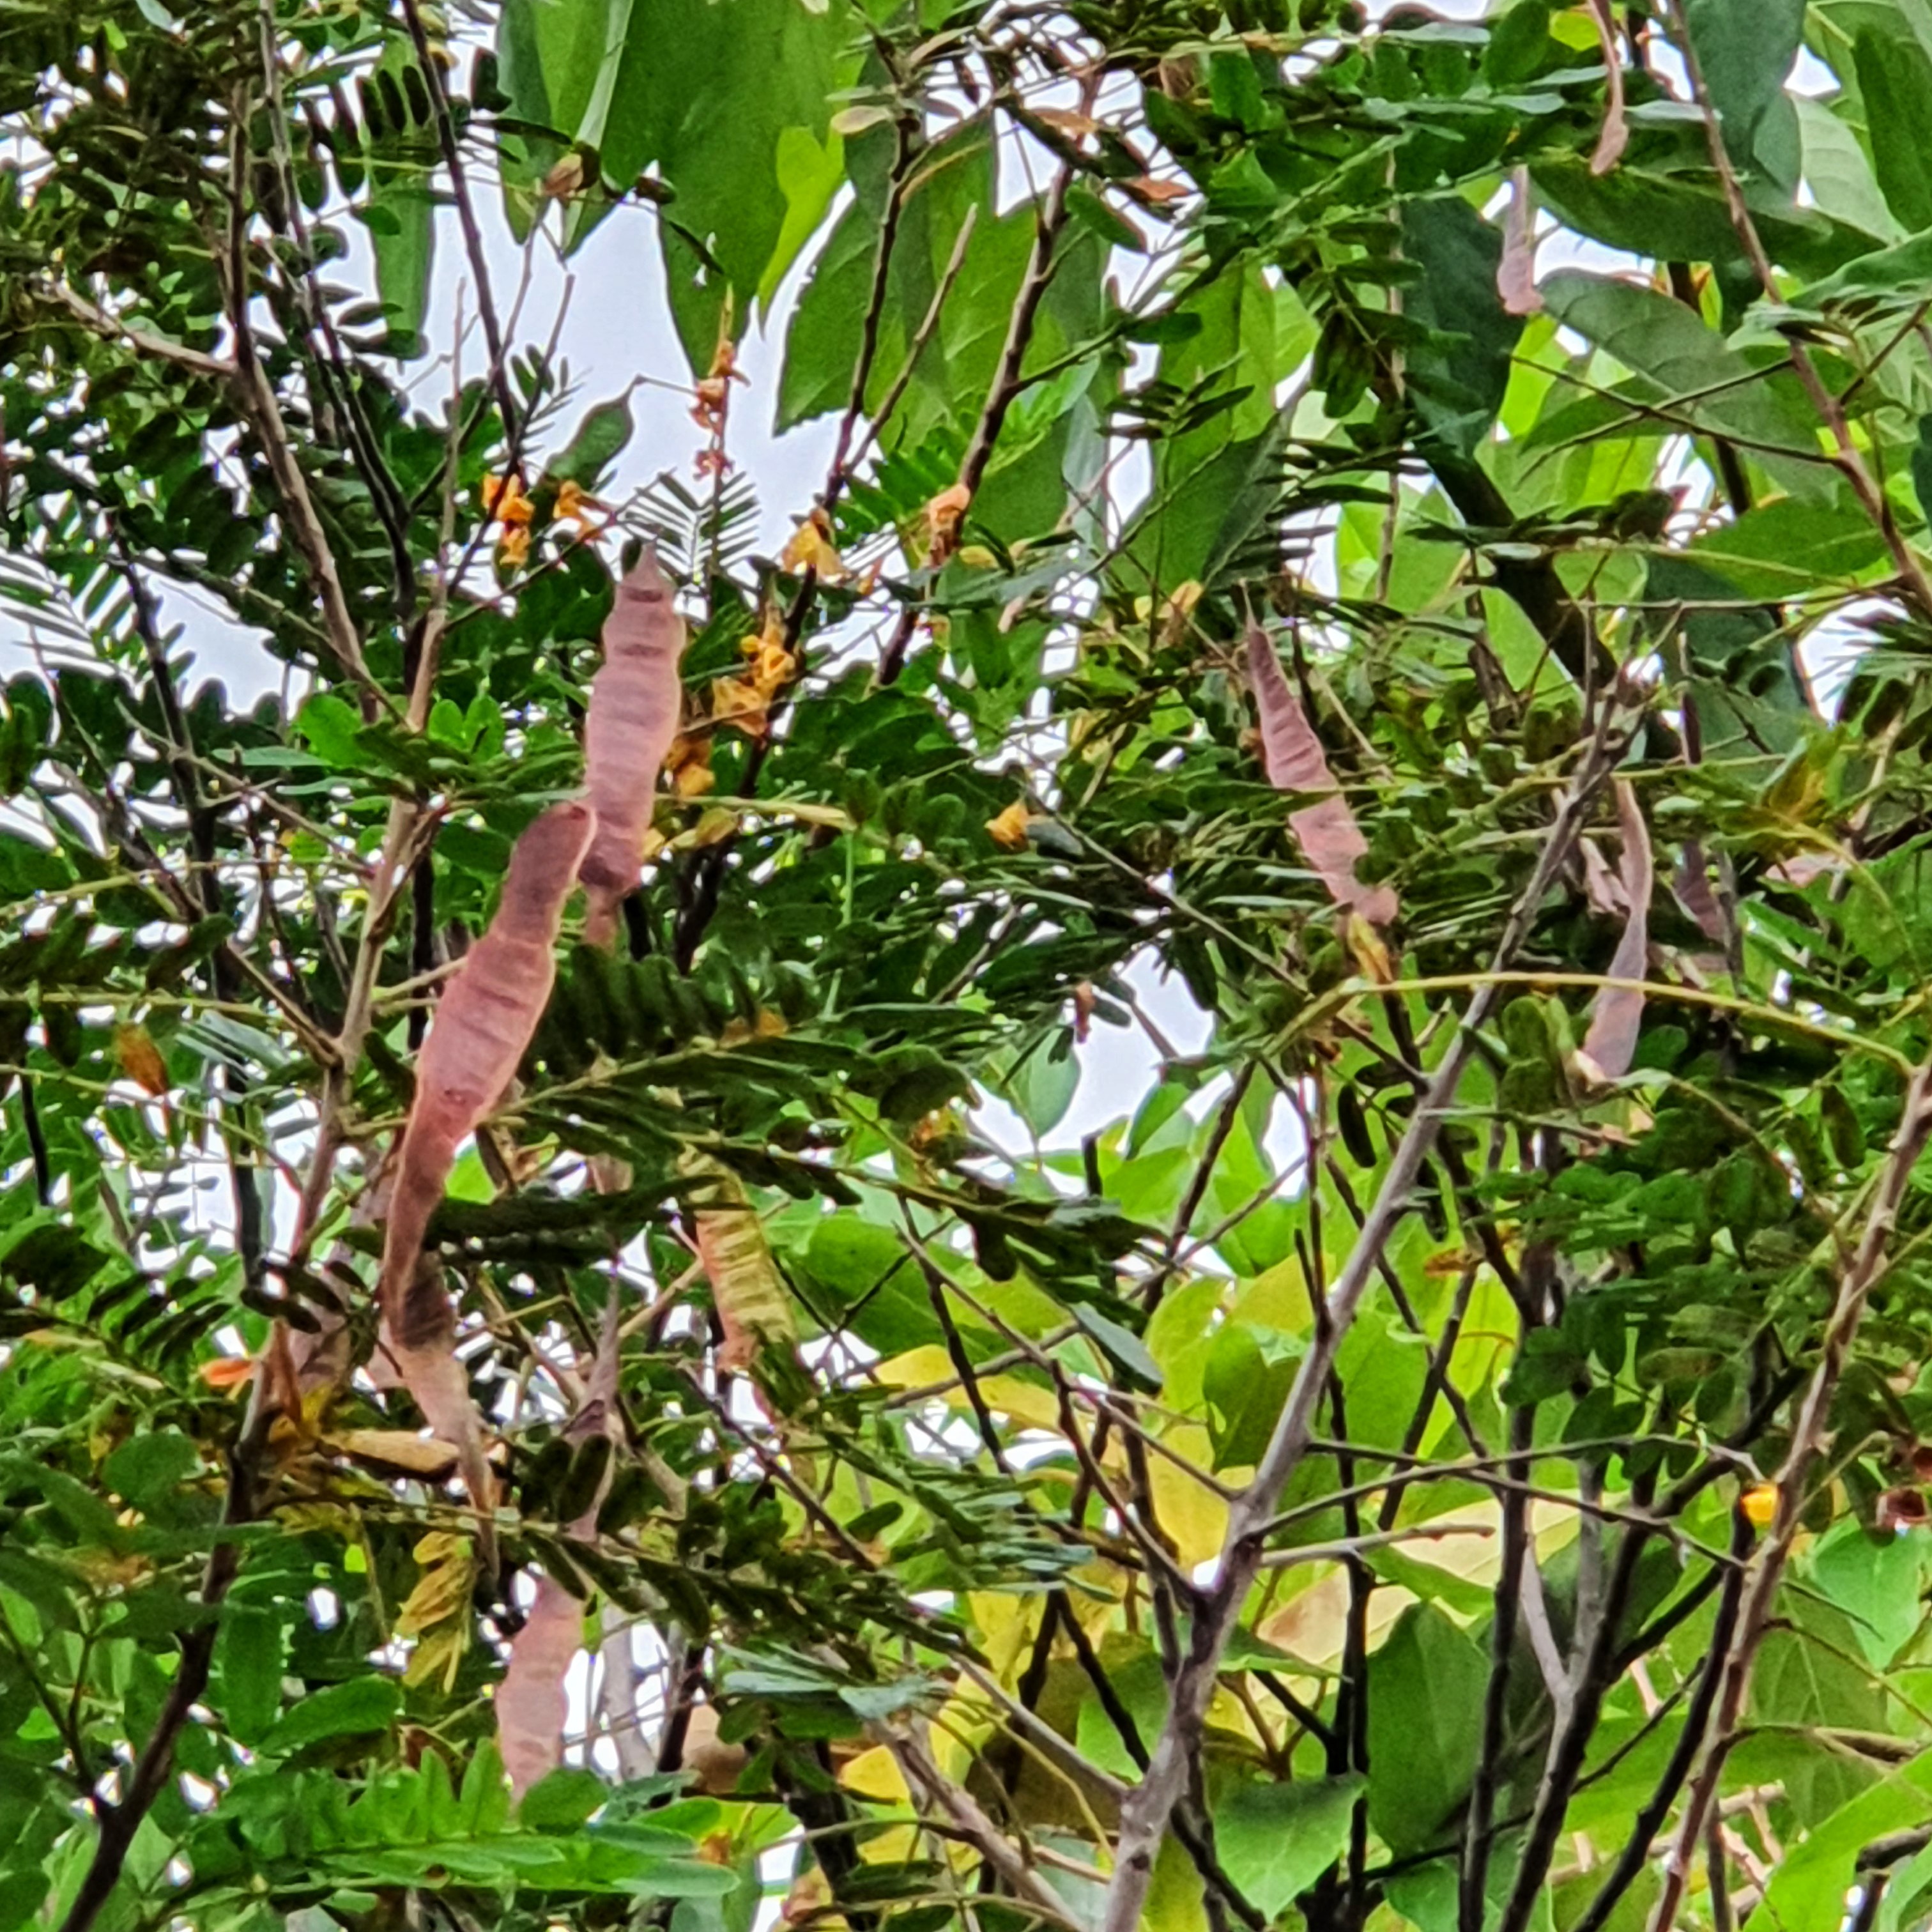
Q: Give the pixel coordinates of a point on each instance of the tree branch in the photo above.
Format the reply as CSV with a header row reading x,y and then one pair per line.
x,y
1146,1817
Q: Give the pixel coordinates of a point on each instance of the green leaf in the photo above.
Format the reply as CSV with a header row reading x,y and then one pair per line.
x,y
148,1468
361,1704
1742,672
1779,550
251,1652
1426,1687
1877,1583
601,438
1810,1884
1275,1841
1122,1346
1746,48
1679,366
1458,375
563,1801
1894,75
708,93
401,218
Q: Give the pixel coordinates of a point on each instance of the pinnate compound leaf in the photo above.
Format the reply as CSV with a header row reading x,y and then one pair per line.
x,y
1327,831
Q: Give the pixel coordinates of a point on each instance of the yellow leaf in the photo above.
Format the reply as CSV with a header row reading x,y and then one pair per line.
x,y
1192,1515
875,1773
1759,1504
140,1058
1005,1395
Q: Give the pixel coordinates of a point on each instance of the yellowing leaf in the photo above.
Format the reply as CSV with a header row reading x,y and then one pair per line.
x,y
140,1058
754,1309
1192,1515
875,1773
932,1367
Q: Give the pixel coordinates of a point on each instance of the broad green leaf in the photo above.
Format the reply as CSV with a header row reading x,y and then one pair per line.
x,y
708,93
1894,76
1459,376
1275,1841
1743,674
1691,373
1780,549
1426,1687
1838,174
1745,48
1810,1885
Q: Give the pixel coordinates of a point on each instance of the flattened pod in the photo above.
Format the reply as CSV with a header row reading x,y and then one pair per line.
x,y
753,1310
1618,1014
483,1024
636,701
1326,831
532,1703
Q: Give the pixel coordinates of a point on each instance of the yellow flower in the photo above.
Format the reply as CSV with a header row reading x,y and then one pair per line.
x,y
1009,831
737,700
515,550
574,502
942,520
773,667
503,499
688,763
1759,1504
811,548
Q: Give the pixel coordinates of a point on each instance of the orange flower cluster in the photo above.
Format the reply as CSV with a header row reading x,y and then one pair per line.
x,y
505,501
811,548
746,701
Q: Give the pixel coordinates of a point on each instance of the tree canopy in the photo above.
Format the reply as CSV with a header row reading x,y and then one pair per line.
x,y
1375,569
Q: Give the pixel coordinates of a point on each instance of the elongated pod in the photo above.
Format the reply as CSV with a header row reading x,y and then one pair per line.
x,y
1326,831
636,701
1616,1017
532,1702
484,1022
